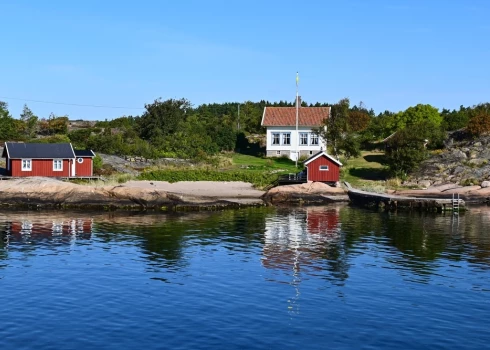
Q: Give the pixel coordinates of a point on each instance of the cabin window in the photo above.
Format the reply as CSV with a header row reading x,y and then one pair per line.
x,y
80,160
57,164
26,164
275,138
323,167
303,139
286,138
313,139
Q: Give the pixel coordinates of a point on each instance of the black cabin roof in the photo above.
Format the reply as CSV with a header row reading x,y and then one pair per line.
x,y
84,153
38,150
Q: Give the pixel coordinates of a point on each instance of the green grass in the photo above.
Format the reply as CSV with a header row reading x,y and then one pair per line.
x,y
368,168
277,165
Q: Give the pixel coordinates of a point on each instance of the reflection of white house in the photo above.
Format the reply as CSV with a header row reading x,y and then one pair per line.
x,y
282,137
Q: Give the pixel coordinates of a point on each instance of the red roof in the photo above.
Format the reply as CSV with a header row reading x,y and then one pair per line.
x,y
286,116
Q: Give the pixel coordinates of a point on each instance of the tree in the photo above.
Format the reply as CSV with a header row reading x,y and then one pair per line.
x,y
416,115
29,121
480,123
340,130
408,147
162,119
8,125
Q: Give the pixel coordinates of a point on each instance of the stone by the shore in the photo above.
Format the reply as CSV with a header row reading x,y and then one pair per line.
x,y
313,192
41,192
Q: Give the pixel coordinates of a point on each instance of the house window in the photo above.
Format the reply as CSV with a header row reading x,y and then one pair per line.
x,y
286,138
80,160
303,139
26,164
275,138
278,153
57,164
323,167
313,139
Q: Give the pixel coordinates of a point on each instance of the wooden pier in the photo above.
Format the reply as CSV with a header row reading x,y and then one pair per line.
x,y
394,202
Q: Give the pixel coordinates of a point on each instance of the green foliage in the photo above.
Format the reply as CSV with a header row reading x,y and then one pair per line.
x,y
29,122
454,120
162,119
9,129
406,149
52,139
97,163
79,137
416,115
343,127
258,178
53,125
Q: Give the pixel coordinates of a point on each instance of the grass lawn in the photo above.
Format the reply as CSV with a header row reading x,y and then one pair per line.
x,y
279,165
367,168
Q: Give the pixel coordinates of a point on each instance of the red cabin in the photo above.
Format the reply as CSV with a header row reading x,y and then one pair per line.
x,y
47,159
322,167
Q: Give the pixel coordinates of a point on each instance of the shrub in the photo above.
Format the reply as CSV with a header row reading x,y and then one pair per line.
x,y
257,178
479,124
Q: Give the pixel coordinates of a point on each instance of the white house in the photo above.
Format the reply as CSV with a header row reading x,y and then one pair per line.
x,y
282,137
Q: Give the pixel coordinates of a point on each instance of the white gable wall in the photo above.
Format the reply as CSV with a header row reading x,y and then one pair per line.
x,y
294,146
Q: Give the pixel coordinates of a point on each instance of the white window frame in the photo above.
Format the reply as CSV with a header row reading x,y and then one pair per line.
x,y
278,138
57,161
322,168
283,139
80,160
26,164
314,137
303,139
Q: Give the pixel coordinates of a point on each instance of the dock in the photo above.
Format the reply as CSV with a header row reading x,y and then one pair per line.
x,y
395,202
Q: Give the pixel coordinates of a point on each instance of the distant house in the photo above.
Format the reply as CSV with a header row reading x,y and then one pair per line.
x,y
47,159
282,137
322,167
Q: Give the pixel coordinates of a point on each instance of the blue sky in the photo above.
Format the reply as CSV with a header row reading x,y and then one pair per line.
x,y
390,54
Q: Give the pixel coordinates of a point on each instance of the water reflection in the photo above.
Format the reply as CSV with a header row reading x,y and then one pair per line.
x,y
299,243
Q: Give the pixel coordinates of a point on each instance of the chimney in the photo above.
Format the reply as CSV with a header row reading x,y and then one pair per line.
x,y
299,101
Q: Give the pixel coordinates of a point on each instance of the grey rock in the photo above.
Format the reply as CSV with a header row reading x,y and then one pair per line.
x,y
485,184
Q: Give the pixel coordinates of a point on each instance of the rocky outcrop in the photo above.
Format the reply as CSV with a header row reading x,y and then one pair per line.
x,y
464,161
38,192
313,192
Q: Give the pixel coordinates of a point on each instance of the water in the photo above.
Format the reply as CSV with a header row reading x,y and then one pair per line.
x,y
301,278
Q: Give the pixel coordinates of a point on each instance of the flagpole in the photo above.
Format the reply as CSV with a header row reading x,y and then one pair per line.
x,y
297,113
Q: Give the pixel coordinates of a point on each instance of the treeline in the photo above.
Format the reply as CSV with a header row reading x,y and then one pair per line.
x,y
174,128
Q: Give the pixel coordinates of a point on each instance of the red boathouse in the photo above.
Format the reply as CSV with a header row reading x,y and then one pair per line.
x,y
47,159
322,167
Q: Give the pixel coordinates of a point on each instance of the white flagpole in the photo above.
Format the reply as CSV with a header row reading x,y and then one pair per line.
x,y
297,113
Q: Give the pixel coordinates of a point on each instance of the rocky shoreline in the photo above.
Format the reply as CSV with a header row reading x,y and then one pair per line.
x,y
49,193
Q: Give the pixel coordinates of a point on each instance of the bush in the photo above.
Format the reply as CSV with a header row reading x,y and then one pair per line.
x,y
479,124
257,178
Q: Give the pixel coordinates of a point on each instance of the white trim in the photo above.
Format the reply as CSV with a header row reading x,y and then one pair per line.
x,y
323,154
6,147
55,161
80,160
263,116
22,164
320,168
72,150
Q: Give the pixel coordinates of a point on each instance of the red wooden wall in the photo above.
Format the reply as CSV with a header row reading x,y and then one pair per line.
x,y
40,167
315,174
85,168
